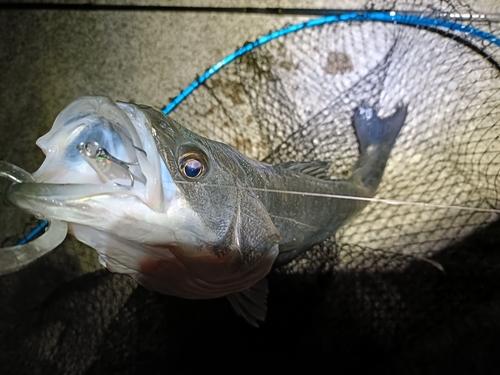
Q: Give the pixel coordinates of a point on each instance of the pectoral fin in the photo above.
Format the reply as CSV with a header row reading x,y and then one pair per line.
x,y
251,303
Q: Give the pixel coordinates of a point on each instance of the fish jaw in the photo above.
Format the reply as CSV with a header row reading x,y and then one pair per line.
x,y
169,252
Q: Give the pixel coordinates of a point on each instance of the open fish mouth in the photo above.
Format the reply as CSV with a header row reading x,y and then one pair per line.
x,y
99,156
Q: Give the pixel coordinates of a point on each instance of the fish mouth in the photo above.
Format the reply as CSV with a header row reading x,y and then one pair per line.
x,y
97,151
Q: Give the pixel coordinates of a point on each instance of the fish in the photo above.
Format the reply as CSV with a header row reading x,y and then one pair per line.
x,y
187,216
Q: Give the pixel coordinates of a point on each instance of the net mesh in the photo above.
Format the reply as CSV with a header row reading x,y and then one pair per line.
x,y
293,98
400,289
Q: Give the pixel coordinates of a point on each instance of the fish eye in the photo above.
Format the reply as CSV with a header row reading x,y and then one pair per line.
x,y
192,165
192,168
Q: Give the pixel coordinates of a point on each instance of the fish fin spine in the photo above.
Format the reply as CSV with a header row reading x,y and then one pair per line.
x,y
316,168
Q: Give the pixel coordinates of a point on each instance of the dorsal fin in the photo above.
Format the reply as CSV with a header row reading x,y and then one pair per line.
x,y
316,168
251,303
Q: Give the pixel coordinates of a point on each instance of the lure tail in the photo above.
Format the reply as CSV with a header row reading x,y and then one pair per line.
x,y
376,138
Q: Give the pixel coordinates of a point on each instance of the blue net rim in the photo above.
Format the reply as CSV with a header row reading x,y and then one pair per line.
x,y
434,24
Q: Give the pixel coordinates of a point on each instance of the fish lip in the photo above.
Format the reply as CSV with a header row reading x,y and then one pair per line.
x,y
122,121
38,198
40,190
86,204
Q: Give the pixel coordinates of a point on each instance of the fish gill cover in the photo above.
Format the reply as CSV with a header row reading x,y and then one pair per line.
x,y
401,289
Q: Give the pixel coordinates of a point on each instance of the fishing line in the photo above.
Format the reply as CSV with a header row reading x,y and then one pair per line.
x,y
43,225
356,198
439,25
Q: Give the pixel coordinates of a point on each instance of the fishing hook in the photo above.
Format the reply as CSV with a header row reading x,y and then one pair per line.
x,y
104,163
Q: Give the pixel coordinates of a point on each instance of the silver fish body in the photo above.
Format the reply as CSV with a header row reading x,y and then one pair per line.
x,y
187,216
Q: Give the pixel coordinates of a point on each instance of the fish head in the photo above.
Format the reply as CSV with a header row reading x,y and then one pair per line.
x,y
166,206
